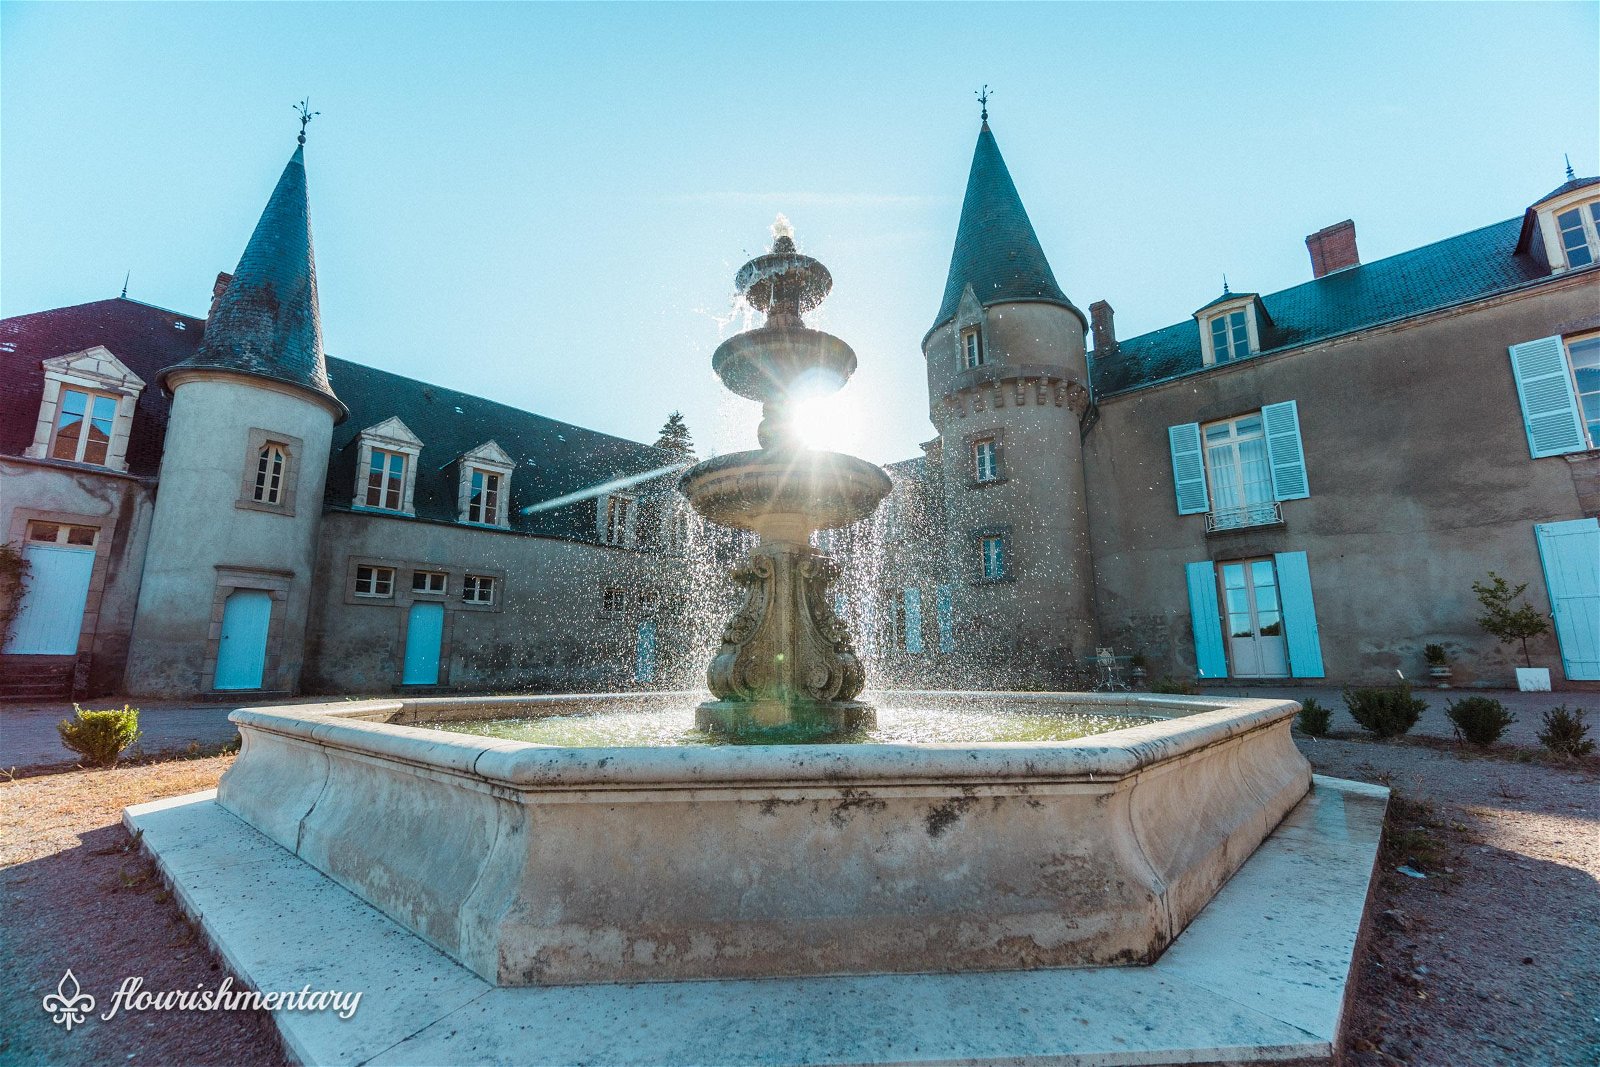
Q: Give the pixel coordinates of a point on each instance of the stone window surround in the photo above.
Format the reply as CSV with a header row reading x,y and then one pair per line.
x,y
404,596
94,369
969,445
275,583
386,435
1554,250
107,527
1246,304
492,459
1008,553
293,449
497,591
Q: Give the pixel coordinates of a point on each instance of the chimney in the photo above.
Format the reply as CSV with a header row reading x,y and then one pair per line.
x,y
1333,248
218,287
1105,330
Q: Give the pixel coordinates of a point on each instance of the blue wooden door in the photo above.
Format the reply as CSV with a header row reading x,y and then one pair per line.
x,y
1570,552
242,652
644,653
51,614
424,639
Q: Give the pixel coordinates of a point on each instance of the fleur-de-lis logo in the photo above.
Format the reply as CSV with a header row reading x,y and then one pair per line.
x,y
69,1004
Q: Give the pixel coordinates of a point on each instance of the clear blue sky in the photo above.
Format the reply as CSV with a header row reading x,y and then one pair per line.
x,y
545,204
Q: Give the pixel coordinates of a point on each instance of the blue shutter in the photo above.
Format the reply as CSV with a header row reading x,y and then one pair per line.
x,y
1188,468
1285,452
1570,552
1299,615
913,602
1549,404
947,619
1210,661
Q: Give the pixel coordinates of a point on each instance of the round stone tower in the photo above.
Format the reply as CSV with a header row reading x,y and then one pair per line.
x,y
227,578
1008,392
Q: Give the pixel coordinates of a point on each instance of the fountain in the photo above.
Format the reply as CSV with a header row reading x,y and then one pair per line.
x,y
786,659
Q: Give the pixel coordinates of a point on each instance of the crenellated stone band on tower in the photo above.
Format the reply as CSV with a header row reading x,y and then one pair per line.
x,y
786,659
1008,393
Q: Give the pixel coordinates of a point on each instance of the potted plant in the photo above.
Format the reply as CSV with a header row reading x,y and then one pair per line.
x,y
1438,664
1138,668
1511,624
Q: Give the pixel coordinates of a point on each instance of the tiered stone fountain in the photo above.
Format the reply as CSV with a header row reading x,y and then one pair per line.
x,y
786,659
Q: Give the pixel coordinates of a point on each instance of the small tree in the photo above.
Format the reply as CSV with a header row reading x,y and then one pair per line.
x,y
1501,620
675,437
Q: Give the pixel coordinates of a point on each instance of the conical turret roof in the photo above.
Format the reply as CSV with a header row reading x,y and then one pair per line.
x,y
997,252
266,323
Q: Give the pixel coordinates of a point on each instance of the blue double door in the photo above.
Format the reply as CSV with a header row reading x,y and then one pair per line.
x,y
1255,618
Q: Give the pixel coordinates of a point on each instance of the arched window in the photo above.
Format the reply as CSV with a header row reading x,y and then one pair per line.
x,y
272,465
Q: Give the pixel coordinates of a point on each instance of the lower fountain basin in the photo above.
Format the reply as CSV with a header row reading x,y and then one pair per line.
x,y
822,490
543,865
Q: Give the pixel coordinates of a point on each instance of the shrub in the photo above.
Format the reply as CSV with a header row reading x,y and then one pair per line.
x,y
1173,686
1386,712
1565,732
1314,719
1480,720
100,736
1436,655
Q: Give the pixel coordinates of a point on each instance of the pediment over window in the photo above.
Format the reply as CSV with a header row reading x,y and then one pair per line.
x,y
489,454
392,431
97,367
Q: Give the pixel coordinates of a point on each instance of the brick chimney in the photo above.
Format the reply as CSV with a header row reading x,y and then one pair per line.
x,y
218,287
1101,322
1333,248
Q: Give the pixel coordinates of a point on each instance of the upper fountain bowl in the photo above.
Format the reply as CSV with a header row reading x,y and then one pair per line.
x,y
784,279
785,493
783,363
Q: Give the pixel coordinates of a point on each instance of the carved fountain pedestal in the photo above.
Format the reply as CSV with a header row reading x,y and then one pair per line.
x,y
786,659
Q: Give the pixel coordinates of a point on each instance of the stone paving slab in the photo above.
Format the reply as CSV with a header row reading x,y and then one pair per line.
x,y
1258,977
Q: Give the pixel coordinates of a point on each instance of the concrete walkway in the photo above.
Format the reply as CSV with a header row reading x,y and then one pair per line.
x,y
28,736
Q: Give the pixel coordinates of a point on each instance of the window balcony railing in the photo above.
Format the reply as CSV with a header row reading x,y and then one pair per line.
x,y
1267,514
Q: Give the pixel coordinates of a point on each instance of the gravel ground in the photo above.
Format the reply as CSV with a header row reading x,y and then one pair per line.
x,y
1493,960
76,892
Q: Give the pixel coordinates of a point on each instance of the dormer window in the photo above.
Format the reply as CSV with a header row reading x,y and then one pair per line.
x,y
1580,233
484,493
971,347
87,409
83,427
386,467
1230,337
618,516
483,497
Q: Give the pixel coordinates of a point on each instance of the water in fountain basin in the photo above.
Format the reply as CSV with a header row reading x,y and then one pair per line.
x,y
666,722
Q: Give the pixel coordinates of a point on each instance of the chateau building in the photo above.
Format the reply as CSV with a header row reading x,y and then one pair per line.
x,y
1298,486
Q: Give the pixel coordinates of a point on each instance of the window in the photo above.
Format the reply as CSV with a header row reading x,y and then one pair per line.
x,y
985,467
270,468
648,599
994,556
1239,472
618,511
386,480
1584,355
477,589
614,600
971,347
83,426
375,581
1230,337
433,583
60,533
1579,228
483,500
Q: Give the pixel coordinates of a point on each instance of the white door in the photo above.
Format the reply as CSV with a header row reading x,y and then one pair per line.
x,y
242,652
1255,620
424,636
51,615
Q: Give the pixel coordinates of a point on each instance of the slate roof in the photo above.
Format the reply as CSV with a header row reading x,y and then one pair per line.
x,y
266,323
996,250
1461,268
553,458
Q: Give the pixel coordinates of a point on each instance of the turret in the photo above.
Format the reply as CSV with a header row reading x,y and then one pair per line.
x,y
1008,394
226,587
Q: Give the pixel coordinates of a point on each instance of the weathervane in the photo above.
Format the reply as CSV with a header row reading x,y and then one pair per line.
x,y
306,115
983,101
